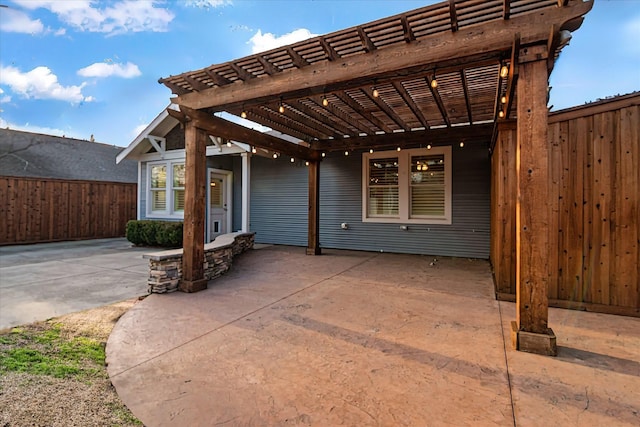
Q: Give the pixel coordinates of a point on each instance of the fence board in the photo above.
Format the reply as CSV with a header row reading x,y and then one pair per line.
x,y
46,210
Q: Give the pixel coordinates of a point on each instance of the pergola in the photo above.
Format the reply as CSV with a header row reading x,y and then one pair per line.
x,y
447,73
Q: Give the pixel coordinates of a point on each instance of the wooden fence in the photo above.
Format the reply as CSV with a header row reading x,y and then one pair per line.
x,y
46,210
594,202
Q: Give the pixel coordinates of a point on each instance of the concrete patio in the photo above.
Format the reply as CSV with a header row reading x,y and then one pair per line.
x,y
359,339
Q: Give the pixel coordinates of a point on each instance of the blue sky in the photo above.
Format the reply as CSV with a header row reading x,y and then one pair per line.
x,y
80,68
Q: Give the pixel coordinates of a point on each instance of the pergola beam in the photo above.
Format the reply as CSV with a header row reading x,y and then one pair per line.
x,y
411,103
387,110
344,97
485,40
441,136
232,131
439,103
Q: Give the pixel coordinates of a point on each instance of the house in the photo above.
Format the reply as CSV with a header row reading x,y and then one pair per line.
x,y
425,132
56,188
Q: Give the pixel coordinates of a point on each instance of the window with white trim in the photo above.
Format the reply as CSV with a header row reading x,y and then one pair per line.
x,y
165,194
408,186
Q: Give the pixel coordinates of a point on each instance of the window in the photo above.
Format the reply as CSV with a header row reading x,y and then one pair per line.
x,y
166,193
408,186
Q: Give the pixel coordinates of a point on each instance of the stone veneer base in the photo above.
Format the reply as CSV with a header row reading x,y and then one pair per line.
x,y
165,267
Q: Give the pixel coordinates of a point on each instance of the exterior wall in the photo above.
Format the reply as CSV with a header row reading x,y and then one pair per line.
x,y
279,201
595,206
225,162
279,208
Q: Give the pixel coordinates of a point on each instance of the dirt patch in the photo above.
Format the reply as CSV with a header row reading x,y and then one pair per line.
x,y
52,373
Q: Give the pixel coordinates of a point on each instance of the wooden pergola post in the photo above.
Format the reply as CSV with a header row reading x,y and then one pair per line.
x,y
194,210
313,240
530,331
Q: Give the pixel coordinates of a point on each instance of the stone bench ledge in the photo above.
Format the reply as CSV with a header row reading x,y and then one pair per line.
x,y
222,241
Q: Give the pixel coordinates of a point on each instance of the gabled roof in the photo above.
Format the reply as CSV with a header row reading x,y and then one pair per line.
x,y
27,154
160,126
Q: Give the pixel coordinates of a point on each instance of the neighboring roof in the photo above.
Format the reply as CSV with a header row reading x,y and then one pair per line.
x,y
29,154
376,78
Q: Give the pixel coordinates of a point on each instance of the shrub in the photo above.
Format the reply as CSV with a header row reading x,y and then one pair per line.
x,y
167,234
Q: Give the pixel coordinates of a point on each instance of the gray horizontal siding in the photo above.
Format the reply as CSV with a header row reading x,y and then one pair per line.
x,y
467,236
279,201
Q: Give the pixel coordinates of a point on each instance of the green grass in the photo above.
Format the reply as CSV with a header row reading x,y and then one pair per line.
x,y
41,349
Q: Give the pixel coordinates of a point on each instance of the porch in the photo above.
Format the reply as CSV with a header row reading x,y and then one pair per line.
x,y
365,338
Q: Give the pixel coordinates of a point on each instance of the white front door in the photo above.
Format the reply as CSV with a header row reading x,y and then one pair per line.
x,y
218,205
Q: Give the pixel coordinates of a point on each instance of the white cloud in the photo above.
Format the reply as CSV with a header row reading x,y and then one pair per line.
x,y
632,34
104,69
207,3
27,127
40,83
4,99
262,42
138,130
15,21
120,17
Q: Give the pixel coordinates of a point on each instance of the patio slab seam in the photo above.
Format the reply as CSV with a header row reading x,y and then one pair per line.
x,y
506,363
218,328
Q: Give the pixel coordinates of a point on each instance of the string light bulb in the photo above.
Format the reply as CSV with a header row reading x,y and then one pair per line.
x,y
281,108
398,148
503,99
501,114
229,144
275,155
370,150
346,152
293,160
306,163
253,150
428,146
375,93
325,101
434,82
461,144
243,114
324,154
504,71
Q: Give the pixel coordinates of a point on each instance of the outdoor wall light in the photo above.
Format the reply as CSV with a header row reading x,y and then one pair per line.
x,y
504,71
